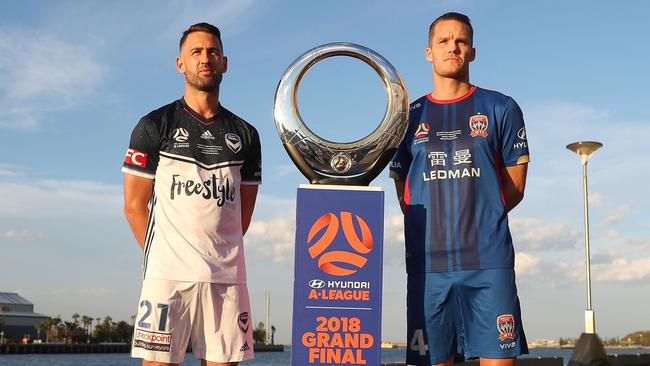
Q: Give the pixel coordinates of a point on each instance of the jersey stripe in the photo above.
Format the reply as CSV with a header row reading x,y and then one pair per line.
x,y
138,173
151,223
200,164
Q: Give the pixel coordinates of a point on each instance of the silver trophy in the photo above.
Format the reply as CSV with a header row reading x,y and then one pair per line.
x,y
326,162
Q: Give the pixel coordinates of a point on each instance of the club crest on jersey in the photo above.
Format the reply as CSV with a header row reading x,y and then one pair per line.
x,y
506,327
233,142
242,321
478,125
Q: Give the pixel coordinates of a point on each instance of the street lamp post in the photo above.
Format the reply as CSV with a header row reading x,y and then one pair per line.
x,y
586,149
589,350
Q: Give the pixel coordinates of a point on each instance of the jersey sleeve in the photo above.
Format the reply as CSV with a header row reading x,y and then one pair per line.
x,y
401,162
143,153
513,142
251,171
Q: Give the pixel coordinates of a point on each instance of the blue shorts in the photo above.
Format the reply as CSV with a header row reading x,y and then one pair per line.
x,y
475,313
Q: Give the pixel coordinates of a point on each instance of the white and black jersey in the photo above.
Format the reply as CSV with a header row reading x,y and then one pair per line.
x,y
194,231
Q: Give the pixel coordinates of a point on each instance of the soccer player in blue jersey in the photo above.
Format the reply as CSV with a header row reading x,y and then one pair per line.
x,y
458,172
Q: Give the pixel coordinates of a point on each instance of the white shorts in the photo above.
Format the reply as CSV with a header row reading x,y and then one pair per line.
x,y
216,317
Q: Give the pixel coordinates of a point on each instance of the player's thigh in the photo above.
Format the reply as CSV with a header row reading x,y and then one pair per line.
x,y
162,325
431,319
491,315
222,331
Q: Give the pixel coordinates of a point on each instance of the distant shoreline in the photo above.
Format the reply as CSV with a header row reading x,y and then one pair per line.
x,y
61,348
606,347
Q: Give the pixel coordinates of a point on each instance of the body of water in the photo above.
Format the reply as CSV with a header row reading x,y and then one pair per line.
x,y
261,358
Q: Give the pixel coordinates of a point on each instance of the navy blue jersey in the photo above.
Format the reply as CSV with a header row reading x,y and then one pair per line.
x,y
450,160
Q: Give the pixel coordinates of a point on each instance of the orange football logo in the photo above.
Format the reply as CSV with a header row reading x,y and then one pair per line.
x,y
329,262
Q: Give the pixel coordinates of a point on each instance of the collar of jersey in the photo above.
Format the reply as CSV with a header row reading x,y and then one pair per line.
x,y
449,101
190,112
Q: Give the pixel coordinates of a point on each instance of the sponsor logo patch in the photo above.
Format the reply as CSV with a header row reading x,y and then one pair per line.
x,y
522,133
422,133
242,321
207,135
181,135
423,130
233,142
448,135
506,327
135,157
152,341
316,283
478,125
244,348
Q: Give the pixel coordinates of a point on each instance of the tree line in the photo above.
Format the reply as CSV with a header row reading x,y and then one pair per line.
x,y
636,339
81,330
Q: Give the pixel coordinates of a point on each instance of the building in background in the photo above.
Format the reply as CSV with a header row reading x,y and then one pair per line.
x,y
17,317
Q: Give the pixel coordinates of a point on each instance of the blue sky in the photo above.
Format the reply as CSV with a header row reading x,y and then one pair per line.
x,y
76,76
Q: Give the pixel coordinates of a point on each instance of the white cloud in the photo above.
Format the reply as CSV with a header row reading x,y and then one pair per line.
x,y
40,74
24,196
532,234
22,235
639,245
541,271
612,267
616,215
595,199
273,237
527,264
394,240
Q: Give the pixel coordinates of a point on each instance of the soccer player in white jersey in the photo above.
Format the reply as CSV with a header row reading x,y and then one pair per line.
x,y
192,171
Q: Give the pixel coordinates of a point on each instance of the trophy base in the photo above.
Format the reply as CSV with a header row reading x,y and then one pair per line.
x,y
363,179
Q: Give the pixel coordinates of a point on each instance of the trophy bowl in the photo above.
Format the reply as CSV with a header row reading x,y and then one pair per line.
x,y
323,161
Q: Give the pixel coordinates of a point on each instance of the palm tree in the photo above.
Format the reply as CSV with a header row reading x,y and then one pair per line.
x,y
75,318
87,322
56,324
40,327
47,323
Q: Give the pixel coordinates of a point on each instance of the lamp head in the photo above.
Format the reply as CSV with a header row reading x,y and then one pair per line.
x,y
585,149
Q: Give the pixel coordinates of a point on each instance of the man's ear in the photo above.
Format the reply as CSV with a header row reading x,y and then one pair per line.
x,y
472,57
225,64
180,66
427,54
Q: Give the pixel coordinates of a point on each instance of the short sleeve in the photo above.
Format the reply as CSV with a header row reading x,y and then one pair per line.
x,y
251,171
143,153
513,142
401,161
